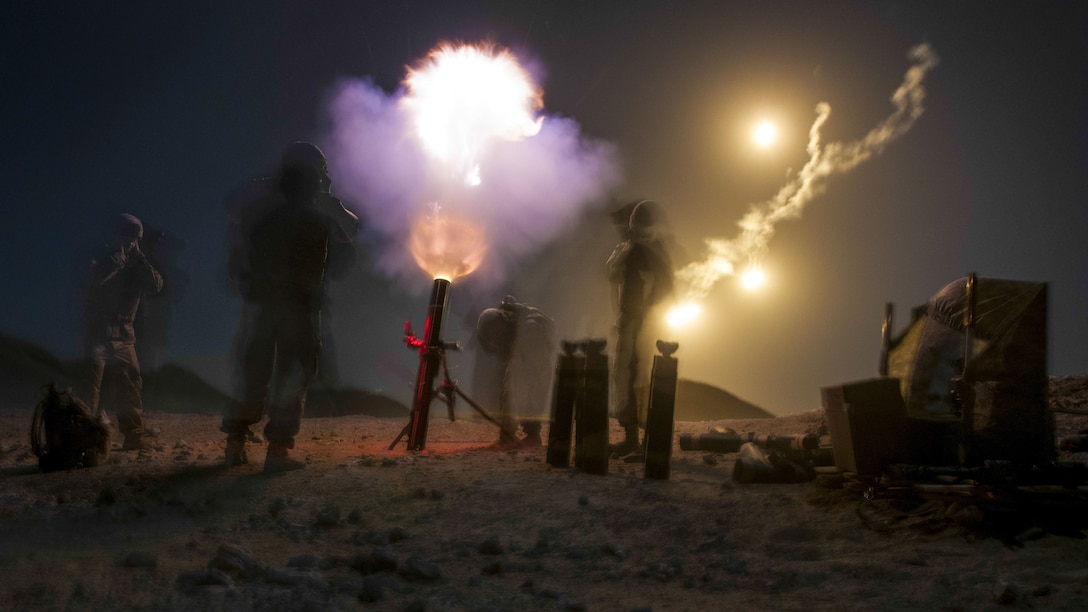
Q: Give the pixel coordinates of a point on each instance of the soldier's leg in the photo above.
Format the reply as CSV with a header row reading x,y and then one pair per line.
x,y
255,349
507,420
126,386
94,368
299,347
624,375
532,429
536,382
256,354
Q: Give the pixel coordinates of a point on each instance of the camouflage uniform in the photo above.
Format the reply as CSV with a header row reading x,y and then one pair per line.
x,y
118,281
279,260
521,338
641,274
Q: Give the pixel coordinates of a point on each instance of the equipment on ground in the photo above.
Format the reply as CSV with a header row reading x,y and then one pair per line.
x,y
65,433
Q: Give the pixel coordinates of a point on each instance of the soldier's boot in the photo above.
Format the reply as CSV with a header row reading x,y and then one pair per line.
x,y
236,451
137,442
628,445
277,460
506,442
532,437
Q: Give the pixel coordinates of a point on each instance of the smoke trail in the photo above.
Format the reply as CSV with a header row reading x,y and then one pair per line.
x,y
530,190
758,225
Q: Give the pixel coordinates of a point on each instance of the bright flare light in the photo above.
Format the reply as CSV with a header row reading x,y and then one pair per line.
x,y
764,134
464,97
682,315
446,247
753,278
758,226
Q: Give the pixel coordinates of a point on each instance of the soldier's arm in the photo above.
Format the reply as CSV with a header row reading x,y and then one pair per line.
x,y
148,277
344,222
105,270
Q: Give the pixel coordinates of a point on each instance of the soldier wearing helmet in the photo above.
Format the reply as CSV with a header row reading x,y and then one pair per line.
x,y
641,275
282,242
521,340
118,282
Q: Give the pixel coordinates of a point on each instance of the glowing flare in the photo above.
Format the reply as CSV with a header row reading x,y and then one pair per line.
x,y
446,247
464,97
764,134
757,227
753,278
682,315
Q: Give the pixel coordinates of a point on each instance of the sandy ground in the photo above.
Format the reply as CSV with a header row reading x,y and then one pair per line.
x,y
460,527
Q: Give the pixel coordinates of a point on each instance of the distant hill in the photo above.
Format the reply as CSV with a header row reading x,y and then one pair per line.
x,y
25,367
696,401
345,402
21,359
173,388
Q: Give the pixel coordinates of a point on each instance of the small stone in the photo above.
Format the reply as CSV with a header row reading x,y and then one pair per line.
x,y
383,560
303,561
106,497
491,546
199,578
235,560
328,516
397,534
139,558
419,568
1004,593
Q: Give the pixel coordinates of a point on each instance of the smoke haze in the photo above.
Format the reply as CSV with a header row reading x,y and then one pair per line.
x,y
758,226
530,190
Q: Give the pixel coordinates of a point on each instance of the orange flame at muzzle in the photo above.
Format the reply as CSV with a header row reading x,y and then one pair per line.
x,y
447,247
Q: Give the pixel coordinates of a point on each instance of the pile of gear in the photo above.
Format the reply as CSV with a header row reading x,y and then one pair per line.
x,y
961,412
65,433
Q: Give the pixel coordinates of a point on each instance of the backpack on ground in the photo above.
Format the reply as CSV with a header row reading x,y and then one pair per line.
x,y
66,434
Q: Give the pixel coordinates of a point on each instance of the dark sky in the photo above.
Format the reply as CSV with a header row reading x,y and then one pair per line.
x,y
162,109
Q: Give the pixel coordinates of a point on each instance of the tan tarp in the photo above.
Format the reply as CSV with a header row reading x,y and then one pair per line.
x,y
1005,399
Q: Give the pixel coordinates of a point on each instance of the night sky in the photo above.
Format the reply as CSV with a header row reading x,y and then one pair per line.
x,y
163,109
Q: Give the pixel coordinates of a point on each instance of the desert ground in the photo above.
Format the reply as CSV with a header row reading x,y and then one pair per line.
x,y
463,527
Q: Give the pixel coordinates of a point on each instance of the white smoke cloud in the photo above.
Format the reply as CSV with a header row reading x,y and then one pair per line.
x,y
757,227
531,190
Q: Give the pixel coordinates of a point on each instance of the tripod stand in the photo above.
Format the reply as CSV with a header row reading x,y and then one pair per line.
x,y
447,390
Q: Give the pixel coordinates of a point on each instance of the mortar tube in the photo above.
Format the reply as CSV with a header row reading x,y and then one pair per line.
x,y
430,361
